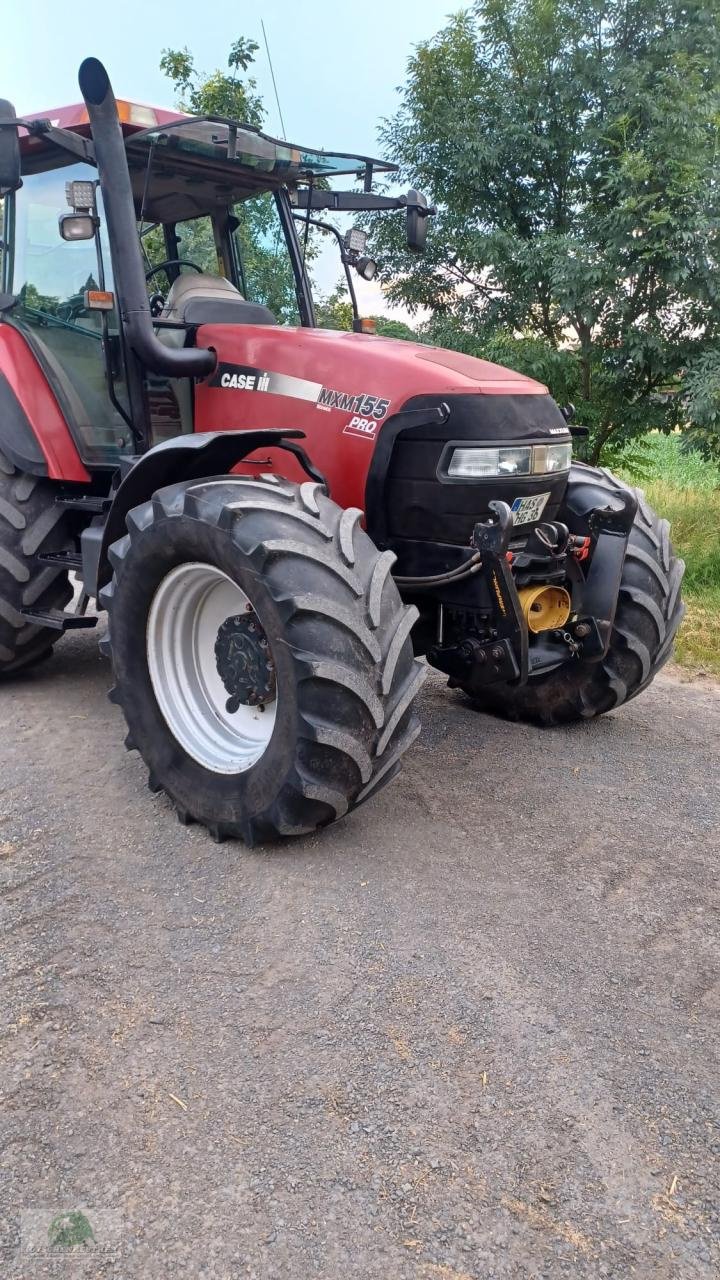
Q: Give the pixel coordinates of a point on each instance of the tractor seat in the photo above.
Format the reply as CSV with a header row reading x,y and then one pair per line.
x,y
206,299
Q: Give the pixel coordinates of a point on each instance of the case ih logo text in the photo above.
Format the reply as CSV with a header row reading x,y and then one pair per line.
x,y
245,381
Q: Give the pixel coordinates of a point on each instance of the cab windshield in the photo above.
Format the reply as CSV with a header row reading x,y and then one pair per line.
x,y
245,243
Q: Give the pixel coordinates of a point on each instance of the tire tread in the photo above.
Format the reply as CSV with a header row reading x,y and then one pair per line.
x,y
30,522
320,568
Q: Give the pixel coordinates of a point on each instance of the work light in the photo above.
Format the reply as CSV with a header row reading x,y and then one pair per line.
x,y
80,224
366,268
80,195
355,240
76,226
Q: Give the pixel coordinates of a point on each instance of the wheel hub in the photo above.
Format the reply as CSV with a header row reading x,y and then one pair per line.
x,y
211,668
244,662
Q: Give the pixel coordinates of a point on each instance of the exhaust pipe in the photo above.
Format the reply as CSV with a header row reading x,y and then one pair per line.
x,y
119,209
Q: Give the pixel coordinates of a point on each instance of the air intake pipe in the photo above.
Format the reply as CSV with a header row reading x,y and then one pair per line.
x,y
128,273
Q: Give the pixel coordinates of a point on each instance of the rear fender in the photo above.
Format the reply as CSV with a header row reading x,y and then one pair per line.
x,y
33,431
192,457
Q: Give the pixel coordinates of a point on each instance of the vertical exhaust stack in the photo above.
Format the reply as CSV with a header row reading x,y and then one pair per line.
x,y
119,208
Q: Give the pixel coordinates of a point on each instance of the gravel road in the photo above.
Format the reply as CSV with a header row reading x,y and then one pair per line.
x,y
470,1032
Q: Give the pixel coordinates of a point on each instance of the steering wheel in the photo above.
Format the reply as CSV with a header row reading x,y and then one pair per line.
x,y
172,262
157,300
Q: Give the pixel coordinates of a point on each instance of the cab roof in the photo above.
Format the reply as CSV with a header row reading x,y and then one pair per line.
x,y
199,163
215,138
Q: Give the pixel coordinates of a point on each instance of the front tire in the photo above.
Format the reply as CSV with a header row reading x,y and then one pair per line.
x,y
268,591
649,612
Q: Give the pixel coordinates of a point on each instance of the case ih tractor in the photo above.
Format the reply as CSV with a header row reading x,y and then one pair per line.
x,y
279,519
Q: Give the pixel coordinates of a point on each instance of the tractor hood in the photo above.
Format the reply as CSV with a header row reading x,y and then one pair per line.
x,y
312,364
346,390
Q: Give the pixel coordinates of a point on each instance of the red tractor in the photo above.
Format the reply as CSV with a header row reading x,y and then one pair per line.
x,y
279,518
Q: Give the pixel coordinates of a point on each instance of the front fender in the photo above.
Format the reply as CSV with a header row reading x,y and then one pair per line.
x,y
189,457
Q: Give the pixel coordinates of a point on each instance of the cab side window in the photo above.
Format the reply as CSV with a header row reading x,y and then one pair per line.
x,y
264,266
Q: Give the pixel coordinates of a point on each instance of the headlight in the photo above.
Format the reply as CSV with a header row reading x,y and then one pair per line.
x,y
521,460
551,457
476,463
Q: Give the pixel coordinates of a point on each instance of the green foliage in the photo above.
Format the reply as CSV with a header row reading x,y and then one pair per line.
x,y
572,149
267,271
68,1230
217,93
701,386
668,460
389,328
335,312
685,488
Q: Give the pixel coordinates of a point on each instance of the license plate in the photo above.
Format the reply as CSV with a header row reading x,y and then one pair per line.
x,y
526,510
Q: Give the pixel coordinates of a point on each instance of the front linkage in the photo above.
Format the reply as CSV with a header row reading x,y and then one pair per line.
x,y
564,626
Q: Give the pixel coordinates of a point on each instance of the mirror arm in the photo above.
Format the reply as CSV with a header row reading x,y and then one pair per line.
x,y
354,201
327,226
63,138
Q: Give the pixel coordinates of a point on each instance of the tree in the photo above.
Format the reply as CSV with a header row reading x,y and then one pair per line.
x,y
217,93
572,149
335,312
389,328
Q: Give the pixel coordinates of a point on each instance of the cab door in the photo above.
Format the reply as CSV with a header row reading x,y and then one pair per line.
x,y
50,277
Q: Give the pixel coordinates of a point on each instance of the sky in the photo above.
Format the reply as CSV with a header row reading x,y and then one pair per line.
x,y
337,66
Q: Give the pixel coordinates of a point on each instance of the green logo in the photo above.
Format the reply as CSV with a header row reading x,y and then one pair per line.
x,y
68,1230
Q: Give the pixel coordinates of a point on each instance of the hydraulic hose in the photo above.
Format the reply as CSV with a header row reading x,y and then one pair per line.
x,y
464,570
119,210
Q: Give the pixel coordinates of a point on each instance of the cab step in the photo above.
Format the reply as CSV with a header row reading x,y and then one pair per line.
x,y
57,619
67,559
93,503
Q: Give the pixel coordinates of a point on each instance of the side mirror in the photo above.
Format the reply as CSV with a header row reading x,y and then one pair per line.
x,y
10,178
417,220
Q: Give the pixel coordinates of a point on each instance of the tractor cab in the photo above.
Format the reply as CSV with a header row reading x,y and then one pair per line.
x,y
215,210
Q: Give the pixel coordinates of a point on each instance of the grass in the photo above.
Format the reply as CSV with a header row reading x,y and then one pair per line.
x,y
682,486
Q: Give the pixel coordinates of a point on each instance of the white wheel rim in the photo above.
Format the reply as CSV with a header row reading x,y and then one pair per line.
x,y
186,614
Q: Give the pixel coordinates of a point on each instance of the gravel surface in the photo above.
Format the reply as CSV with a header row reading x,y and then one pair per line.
x,y
469,1032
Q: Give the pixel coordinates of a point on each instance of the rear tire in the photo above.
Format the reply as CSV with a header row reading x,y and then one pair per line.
x,y
337,632
649,612
30,522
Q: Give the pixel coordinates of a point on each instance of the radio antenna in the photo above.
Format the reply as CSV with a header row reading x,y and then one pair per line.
x,y
272,73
